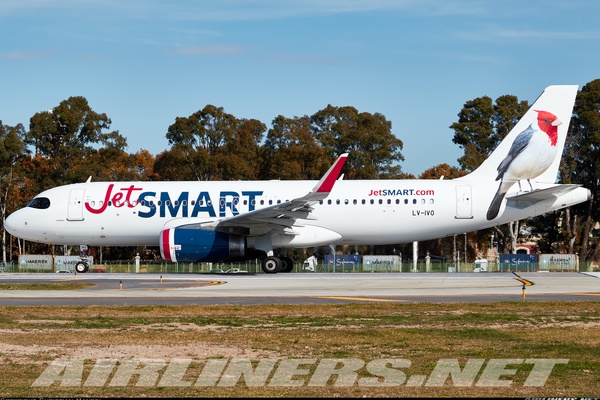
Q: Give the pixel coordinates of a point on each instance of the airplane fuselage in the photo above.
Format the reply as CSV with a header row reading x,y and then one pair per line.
x,y
355,212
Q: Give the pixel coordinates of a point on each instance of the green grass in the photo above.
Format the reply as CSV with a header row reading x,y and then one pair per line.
x,y
46,286
423,333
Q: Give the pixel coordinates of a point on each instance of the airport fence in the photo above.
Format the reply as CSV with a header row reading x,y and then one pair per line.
x,y
254,267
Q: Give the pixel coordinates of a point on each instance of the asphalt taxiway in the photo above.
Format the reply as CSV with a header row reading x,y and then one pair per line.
x,y
303,288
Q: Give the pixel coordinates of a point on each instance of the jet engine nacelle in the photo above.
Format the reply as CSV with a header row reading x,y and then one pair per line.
x,y
200,245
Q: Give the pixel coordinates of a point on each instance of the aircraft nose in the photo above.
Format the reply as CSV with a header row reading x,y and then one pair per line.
x,y
15,223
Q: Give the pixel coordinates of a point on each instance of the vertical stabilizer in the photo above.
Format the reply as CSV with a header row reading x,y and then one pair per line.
x,y
554,101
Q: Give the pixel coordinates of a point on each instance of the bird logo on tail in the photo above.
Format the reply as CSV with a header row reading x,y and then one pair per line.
x,y
532,152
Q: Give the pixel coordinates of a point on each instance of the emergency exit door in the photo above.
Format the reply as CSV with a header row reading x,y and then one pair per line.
x,y
464,205
75,208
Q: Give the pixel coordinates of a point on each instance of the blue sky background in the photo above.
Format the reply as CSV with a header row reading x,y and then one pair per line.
x,y
146,62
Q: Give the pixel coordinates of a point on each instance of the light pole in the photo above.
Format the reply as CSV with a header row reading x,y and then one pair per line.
x,y
465,256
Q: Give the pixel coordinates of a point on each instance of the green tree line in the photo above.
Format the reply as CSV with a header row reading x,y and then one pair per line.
x,y
73,142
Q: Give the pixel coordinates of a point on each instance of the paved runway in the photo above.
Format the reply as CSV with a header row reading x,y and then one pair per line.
x,y
305,288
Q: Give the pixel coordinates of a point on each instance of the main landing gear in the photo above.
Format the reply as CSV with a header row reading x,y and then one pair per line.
x,y
272,265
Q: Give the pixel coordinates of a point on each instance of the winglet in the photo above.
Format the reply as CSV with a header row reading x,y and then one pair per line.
x,y
328,180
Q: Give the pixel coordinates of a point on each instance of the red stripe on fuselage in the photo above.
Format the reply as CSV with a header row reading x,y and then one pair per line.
x,y
166,245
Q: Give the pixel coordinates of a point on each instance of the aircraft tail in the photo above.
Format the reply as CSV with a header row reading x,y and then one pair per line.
x,y
555,101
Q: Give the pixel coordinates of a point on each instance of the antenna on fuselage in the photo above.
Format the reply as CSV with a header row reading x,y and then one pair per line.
x,y
89,179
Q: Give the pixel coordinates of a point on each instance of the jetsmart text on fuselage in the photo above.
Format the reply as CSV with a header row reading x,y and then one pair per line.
x,y
402,192
190,206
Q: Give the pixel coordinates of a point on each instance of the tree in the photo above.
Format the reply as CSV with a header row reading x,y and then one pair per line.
x,y
374,150
240,155
292,152
215,144
582,152
68,135
482,125
168,166
12,147
111,164
442,170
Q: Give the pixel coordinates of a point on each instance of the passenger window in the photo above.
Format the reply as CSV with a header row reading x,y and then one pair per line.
x,y
39,202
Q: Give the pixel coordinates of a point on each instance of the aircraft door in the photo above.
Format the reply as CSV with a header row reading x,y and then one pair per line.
x,y
75,210
464,206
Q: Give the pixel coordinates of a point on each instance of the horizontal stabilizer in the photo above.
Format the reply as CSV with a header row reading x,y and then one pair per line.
x,y
525,200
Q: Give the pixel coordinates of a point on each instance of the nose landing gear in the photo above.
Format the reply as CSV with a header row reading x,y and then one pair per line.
x,y
82,266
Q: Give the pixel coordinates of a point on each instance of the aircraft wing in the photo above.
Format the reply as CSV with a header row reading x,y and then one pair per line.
x,y
527,199
280,217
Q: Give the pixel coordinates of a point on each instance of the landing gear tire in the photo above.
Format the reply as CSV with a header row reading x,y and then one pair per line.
x,y
287,264
81,267
271,265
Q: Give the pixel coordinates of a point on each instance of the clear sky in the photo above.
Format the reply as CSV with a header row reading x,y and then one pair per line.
x,y
146,62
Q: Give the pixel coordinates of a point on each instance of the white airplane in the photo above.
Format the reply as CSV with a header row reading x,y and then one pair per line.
x,y
234,220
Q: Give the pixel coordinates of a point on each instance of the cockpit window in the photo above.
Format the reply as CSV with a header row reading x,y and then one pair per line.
x,y
39,202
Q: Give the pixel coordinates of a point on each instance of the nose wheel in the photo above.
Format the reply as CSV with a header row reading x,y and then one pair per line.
x,y
82,267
